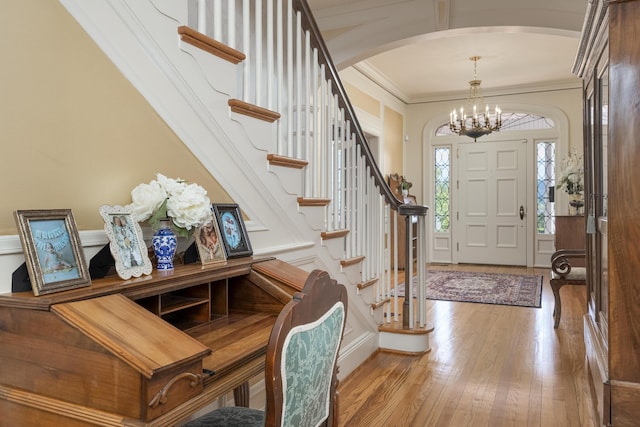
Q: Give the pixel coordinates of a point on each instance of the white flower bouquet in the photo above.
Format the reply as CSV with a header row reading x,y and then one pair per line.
x,y
186,205
572,174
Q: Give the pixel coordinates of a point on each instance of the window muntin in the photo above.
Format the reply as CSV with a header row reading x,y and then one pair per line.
x,y
442,188
511,122
545,178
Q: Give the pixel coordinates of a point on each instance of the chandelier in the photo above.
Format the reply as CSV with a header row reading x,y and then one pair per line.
x,y
471,120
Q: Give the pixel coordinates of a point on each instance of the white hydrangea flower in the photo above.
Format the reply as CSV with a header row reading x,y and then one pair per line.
x,y
147,198
187,205
572,174
171,186
190,208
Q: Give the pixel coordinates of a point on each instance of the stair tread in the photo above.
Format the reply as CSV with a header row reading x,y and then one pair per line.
x,y
206,43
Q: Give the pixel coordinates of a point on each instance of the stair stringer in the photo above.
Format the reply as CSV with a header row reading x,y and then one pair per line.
x,y
290,179
335,247
361,336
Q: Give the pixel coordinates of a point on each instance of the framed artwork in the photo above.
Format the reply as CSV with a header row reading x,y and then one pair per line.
x,y
209,243
53,254
234,235
125,241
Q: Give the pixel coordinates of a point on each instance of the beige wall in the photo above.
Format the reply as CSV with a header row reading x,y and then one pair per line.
x,y
392,150
363,101
373,103
75,133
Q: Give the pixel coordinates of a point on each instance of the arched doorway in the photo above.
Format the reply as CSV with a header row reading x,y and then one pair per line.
x,y
489,197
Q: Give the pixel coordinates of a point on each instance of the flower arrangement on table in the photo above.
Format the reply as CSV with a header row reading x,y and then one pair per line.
x,y
186,205
405,185
572,174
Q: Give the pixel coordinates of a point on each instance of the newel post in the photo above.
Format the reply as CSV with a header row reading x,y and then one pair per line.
x,y
410,212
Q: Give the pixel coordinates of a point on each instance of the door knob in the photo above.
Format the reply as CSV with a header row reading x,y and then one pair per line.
x,y
521,212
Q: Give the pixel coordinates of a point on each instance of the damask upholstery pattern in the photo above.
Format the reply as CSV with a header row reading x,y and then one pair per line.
x,y
309,356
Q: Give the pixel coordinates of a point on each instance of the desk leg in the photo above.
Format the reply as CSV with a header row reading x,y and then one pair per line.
x,y
241,395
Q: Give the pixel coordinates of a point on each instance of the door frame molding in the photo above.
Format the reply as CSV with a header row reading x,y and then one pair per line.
x,y
539,247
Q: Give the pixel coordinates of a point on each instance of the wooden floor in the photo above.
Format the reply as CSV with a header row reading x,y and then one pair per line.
x,y
489,365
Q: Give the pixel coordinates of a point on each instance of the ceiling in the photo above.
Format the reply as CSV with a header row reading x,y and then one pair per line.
x,y
419,50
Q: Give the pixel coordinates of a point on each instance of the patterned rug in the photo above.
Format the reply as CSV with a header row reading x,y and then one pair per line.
x,y
485,288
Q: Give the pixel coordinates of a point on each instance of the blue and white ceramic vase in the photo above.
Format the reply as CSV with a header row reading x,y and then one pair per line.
x,y
164,243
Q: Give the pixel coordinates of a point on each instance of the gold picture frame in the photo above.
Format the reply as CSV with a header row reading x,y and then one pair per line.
x,y
126,242
53,254
209,243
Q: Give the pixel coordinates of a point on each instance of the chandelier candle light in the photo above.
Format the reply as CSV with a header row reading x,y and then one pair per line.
x,y
474,123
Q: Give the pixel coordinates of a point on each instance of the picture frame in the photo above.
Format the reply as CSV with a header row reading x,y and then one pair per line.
x,y
209,243
53,254
233,231
126,242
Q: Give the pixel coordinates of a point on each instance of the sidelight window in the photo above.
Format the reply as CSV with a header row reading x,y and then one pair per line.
x,y
442,188
545,178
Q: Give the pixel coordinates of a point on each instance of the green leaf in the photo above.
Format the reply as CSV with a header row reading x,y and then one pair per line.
x,y
183,232
161,213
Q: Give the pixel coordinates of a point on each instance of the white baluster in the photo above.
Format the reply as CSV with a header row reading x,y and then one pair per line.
x,y
282,137
258,75
270,57
246,47
231,25
300,149
289,59
339,122
217,16
316,127
202,16
422,274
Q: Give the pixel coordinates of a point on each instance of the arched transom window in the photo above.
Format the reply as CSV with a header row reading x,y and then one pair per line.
x,y
510,122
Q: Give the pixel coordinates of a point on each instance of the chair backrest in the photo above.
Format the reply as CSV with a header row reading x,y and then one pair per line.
x,y
301,365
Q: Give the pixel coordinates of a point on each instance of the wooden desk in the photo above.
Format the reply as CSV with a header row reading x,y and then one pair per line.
x,y
147,351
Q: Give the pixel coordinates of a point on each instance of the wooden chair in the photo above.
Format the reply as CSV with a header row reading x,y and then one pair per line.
x,y
562,273
301,362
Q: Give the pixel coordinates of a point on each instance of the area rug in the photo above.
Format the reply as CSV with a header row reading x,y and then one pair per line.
x,y
485,288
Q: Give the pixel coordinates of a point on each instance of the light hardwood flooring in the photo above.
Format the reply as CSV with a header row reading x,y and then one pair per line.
x,y
489,365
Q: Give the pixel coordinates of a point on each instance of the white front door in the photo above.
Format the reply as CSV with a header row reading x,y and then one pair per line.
x,y
492,201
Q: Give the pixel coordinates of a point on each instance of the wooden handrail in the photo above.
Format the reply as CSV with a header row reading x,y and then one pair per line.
x,y
309,24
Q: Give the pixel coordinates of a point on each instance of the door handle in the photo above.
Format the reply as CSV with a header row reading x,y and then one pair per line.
x,y
521,212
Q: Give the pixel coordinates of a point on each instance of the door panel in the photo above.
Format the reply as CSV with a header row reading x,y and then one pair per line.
x,y
492,190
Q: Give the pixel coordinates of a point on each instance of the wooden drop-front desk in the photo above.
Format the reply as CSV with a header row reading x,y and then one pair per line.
x,y
147,351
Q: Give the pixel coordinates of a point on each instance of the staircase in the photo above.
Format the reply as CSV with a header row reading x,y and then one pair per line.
x,y
250,88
